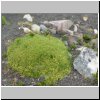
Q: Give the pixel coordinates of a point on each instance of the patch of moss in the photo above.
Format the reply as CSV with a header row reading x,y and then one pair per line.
x,y
87,37
96,77
40,56
4,21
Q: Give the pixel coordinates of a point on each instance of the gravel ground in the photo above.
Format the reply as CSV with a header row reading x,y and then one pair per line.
x,y
10,32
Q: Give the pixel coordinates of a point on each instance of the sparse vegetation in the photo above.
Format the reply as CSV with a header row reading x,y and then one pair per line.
x,y
73,46
87,38
80,42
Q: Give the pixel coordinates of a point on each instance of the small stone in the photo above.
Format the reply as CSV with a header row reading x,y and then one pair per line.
x,y
35,28
25,29
4,62
95,31
69,32
28,17
75,28
85,18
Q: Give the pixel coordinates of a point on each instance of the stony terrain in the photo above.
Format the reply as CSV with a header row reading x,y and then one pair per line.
x,y
10,31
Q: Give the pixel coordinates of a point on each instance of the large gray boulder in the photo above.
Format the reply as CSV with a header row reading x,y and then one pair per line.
x,y
86,63
60,25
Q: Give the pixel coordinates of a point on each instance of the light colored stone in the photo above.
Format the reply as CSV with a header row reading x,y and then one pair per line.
x,y
86,63
75,28
95,31
69,32
28,17
35,28
25,29
43,28
53,31
85,18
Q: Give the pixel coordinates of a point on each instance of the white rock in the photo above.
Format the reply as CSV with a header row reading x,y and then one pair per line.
x,y
81,48
25,29
35,28
75,28
28,17
95,31
86,63
69,32
85,18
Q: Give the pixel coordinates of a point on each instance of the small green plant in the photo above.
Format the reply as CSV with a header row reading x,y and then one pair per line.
x,y
40,56
87,45
20,83
73,46
64,37
95,36
4,55
4,21
96,77
87,38
80,42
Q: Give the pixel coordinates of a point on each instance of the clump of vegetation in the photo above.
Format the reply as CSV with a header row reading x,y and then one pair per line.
x,y
96,77
87,45
4,55
80,42
94,36
64,37
87,38
40,56
4,21
73,46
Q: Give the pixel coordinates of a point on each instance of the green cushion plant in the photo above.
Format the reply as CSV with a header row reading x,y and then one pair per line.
x,y
40,56
4,21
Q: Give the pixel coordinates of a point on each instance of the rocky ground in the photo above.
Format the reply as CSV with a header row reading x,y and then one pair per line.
x,y
10,31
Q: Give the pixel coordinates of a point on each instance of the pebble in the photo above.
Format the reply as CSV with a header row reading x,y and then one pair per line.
x,y
85,18
28,17
95,31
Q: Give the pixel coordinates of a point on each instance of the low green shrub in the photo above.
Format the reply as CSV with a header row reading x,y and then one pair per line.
x,y
73,46
40,56
4,21
87,38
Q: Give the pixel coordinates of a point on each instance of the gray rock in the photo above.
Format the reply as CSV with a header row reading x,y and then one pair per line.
x,y
86,63
60,24
43,28
75,28
53,31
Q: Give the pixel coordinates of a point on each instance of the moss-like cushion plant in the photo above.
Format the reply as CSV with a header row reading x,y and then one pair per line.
x,y
40,56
